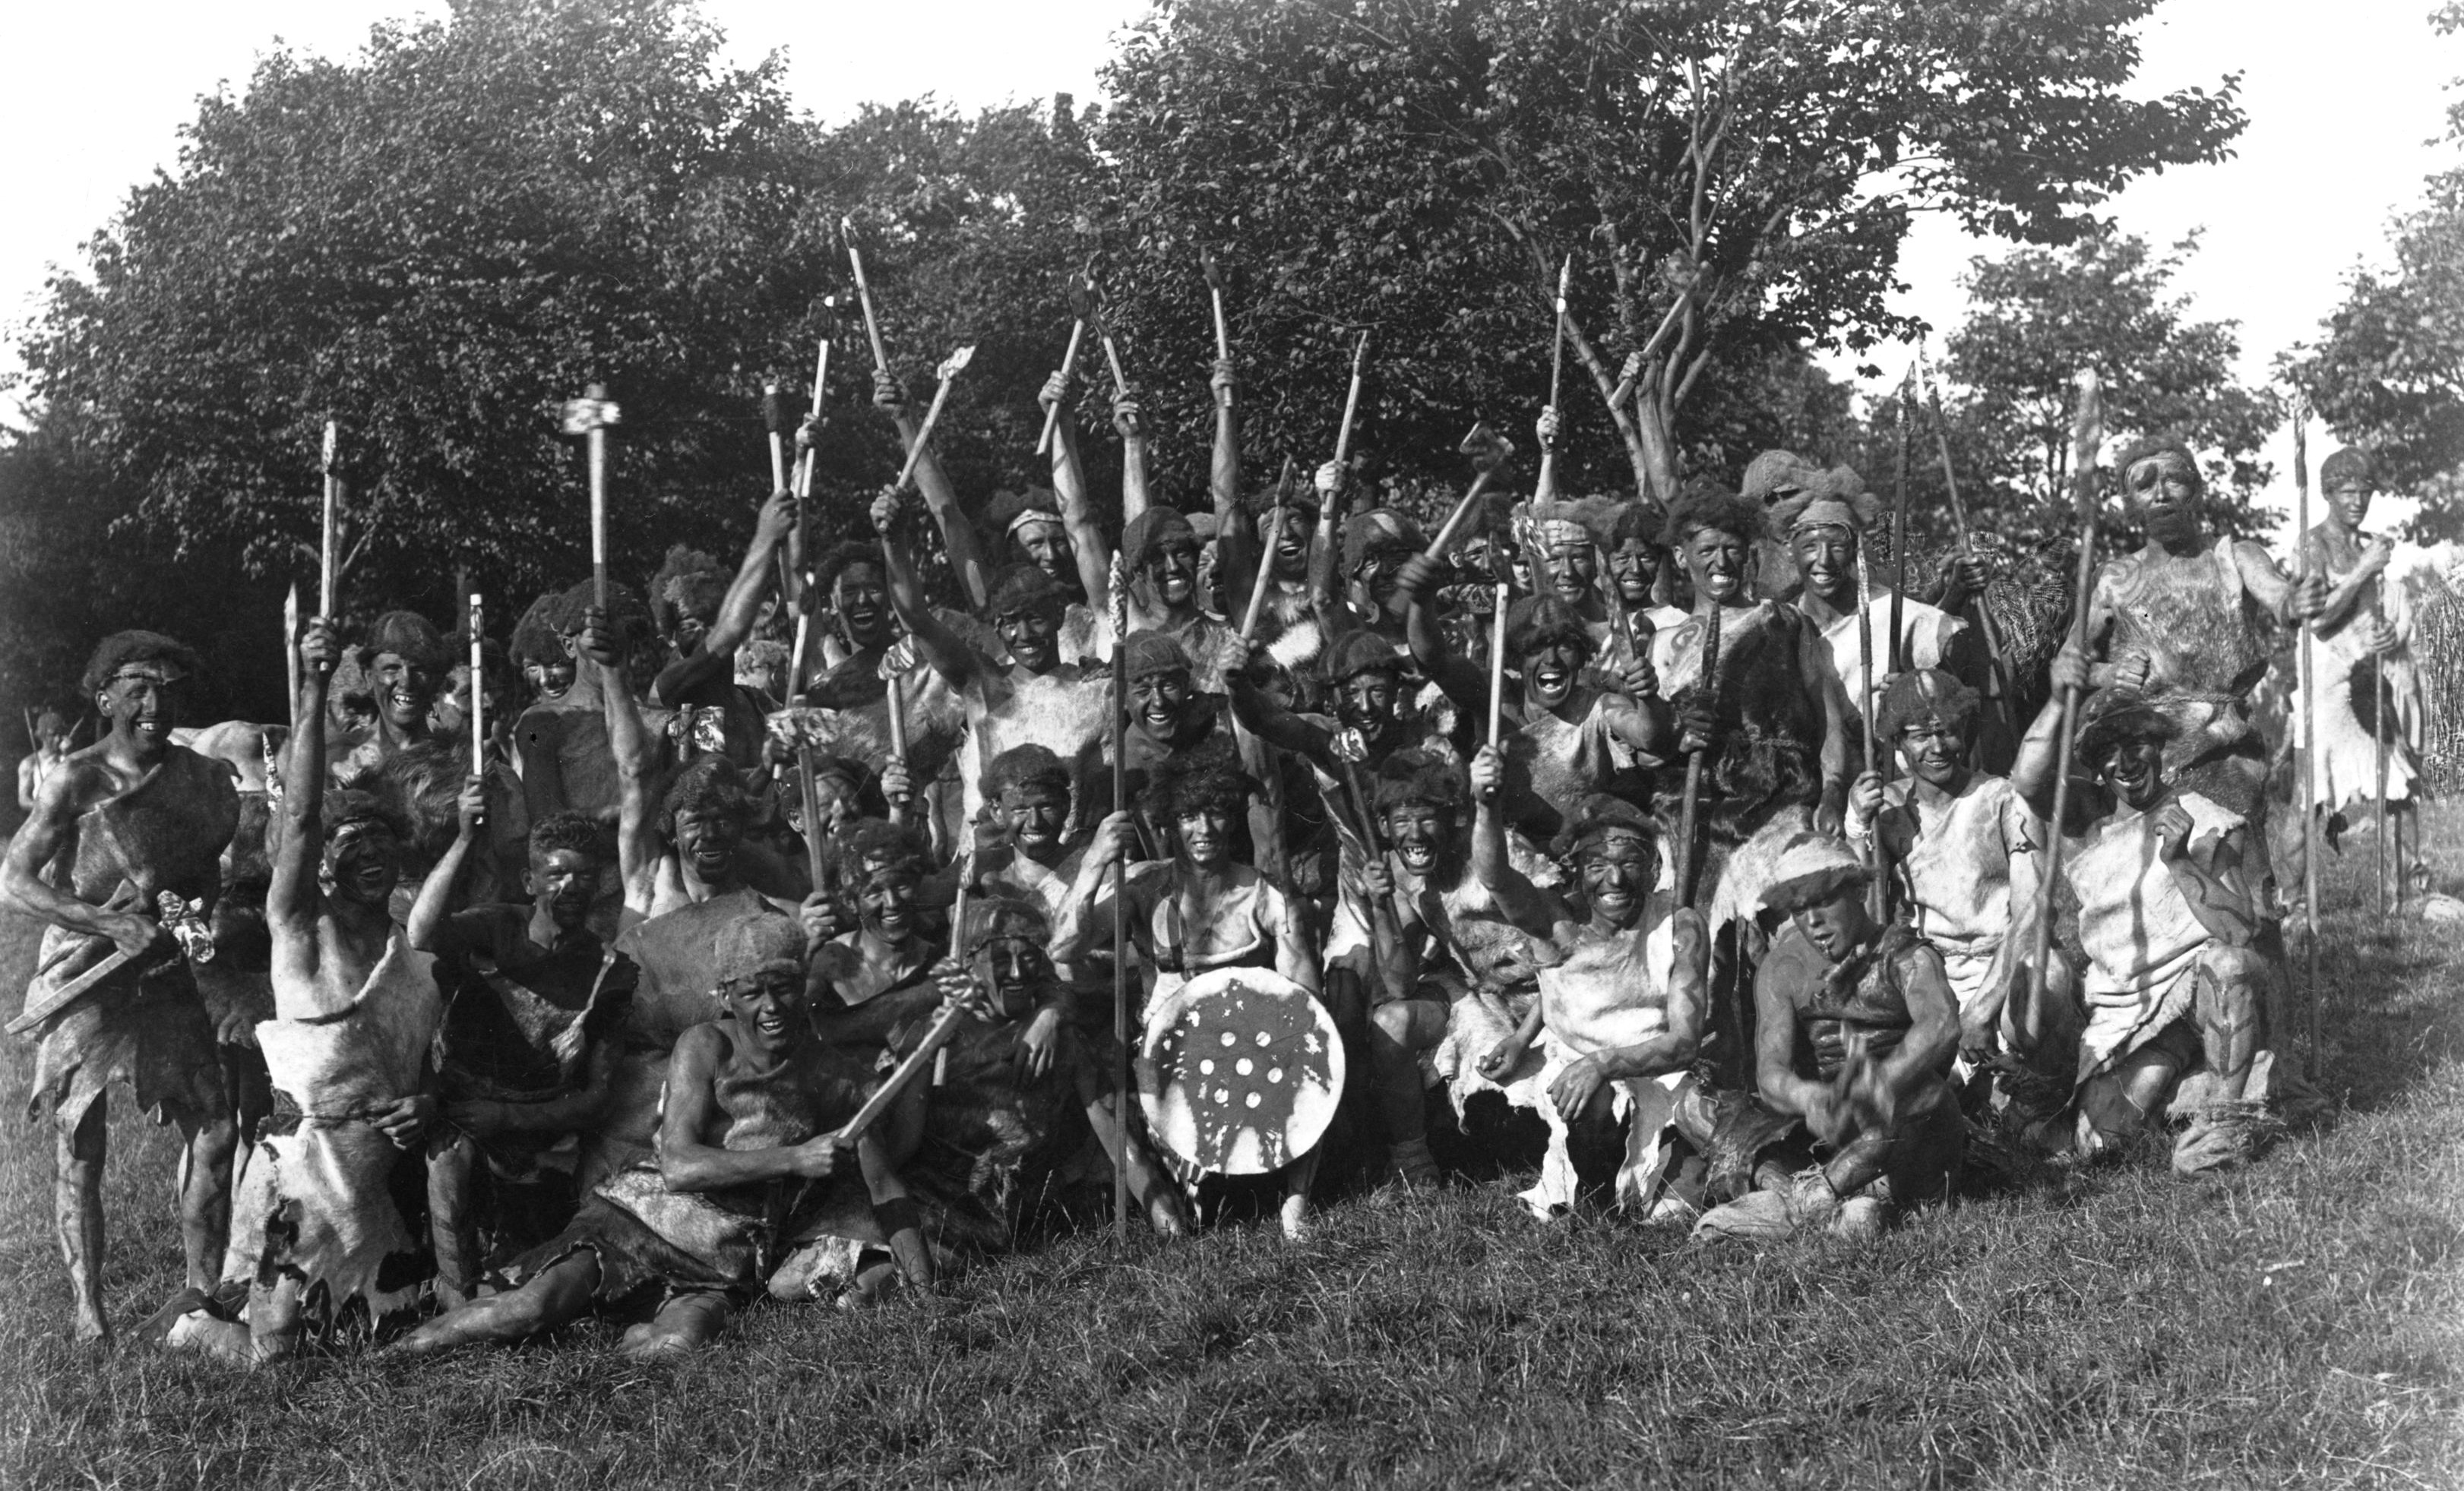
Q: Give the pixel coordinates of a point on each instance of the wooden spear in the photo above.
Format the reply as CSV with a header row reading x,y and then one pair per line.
x,y
864,296
1996,658
1899,649
1266,556
2307,666
2087,436
1119,597
1689,806
1223,331
478,688
1352,402
1082,307
326,555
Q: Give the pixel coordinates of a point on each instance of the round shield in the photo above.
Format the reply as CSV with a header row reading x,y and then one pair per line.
x,y
1240,1071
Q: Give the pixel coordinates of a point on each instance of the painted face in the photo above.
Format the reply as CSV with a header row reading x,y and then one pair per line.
x,y
1206,835
1366,701
885,904
1032,635
1160,699
1549,671
707,841
405,690
1172,571
771,1012
1616,872
1035,816
1292,544
1838,926
686,641
363,862
1518,566
562,883
1017,971
1378,574
2134,771
1046,547
1572,569
2164,494
552,677
863,602
1715,560
1826,555
1422,834
834,797
1934,752
143,700
2351,501
1634,565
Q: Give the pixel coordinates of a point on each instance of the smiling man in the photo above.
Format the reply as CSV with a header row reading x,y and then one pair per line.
x,y
401,668
116,826
1824,537
2175,989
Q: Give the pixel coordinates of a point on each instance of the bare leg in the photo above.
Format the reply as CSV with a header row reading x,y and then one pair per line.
x,y
2115,1106
562,1293
1398,1032
452,1227
270,1335
206,1197
77,1196
1298,1176
686,1323
1154,1191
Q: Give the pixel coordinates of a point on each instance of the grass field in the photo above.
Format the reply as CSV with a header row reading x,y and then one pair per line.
x,y
2298,1323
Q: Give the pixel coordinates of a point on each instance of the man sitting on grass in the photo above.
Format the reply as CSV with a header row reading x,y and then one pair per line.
x,y
748,1148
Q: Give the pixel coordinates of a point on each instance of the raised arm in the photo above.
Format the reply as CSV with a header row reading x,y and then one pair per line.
x,y
292,899
431,927
1525,904
1090,897
2210,875
628,740
940,498
1459,678
1326,555
751,586
1135,490
948,656
1236,544
2039,758
1279,727
1086,545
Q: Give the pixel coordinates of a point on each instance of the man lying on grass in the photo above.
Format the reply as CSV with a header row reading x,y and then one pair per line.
x,y
1854,1028
747,1149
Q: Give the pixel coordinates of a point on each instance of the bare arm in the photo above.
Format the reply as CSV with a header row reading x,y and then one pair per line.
x,y
1817,678
1135,497
942,648
2209,876
1675,1048
1090,897
1934,1034
2040,761
1645,724
687,1158
292,900
1775,1048
751,586
1524,904
1086,545
1457,678
1279,727
431,927
628,740
1295,950
57,805
1236,547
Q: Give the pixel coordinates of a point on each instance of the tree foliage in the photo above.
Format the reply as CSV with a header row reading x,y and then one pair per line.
x,y
2389,373
1733,181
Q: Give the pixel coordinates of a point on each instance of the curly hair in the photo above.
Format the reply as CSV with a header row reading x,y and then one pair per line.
x,y
411,637
711,784
1535,621
568,832
1924,693
1022,587
1024,766
1207,774
1150,531
1707,504
870,846
349,808
838,559
537,636
1640,519
689,585
2351,464
123,649
1420,776
1599,814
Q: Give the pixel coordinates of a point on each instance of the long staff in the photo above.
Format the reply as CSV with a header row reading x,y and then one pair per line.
x,y
939,1033
1878,894
1121,1037
800,538
1386,932
1688,806
1266,580
2087,435
1222,328
1481,439
2307,666
864,296
479,692
774,420
1899,648
1557,356
1996,658
1352,402
1081,308
590,416
1496,674
326,555
2378,749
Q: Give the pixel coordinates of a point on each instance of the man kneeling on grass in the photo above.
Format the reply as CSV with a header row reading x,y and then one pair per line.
x,y
747,1148
1854,1028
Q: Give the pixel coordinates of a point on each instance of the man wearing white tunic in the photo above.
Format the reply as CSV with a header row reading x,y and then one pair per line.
x,y
1968,850
1619,1018
2364,652
2175,993
1823,538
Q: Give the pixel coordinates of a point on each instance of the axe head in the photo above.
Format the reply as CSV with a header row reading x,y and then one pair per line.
x,y
1485,446
774,411
1083,300
1206,263
1351,745
582,416
955,364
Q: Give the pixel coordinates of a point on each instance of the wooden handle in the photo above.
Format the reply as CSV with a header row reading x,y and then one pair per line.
x,y
1068,367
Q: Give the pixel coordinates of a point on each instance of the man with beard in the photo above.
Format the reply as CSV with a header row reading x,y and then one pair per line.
x,y
399,669
116,829
2175,992
319,1221
1823,539
2188,623
532,1002
881,867
1619,1018
748,1150
1199,909
1034,698
1967,846
1854,1036
1568,738
2364,651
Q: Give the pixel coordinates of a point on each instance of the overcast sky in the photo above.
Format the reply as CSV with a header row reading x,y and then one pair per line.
x,y
2344,106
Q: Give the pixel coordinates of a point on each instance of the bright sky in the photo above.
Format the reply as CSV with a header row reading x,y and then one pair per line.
x,y
2343,109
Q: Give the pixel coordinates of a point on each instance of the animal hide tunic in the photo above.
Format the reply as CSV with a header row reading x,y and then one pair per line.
x,y
2208,643
2352,688
318,1201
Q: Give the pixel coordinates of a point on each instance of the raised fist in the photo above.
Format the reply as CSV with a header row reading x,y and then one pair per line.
x,y
886,392
1222,380
887,510
1419,574
1126,419
1055,390
1545,428
1331,479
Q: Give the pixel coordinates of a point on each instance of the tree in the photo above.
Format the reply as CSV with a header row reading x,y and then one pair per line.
x,y
2390,372
2039,316
1733,181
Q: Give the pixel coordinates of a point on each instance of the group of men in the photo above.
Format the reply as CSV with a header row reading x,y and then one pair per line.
x,y
1665,823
